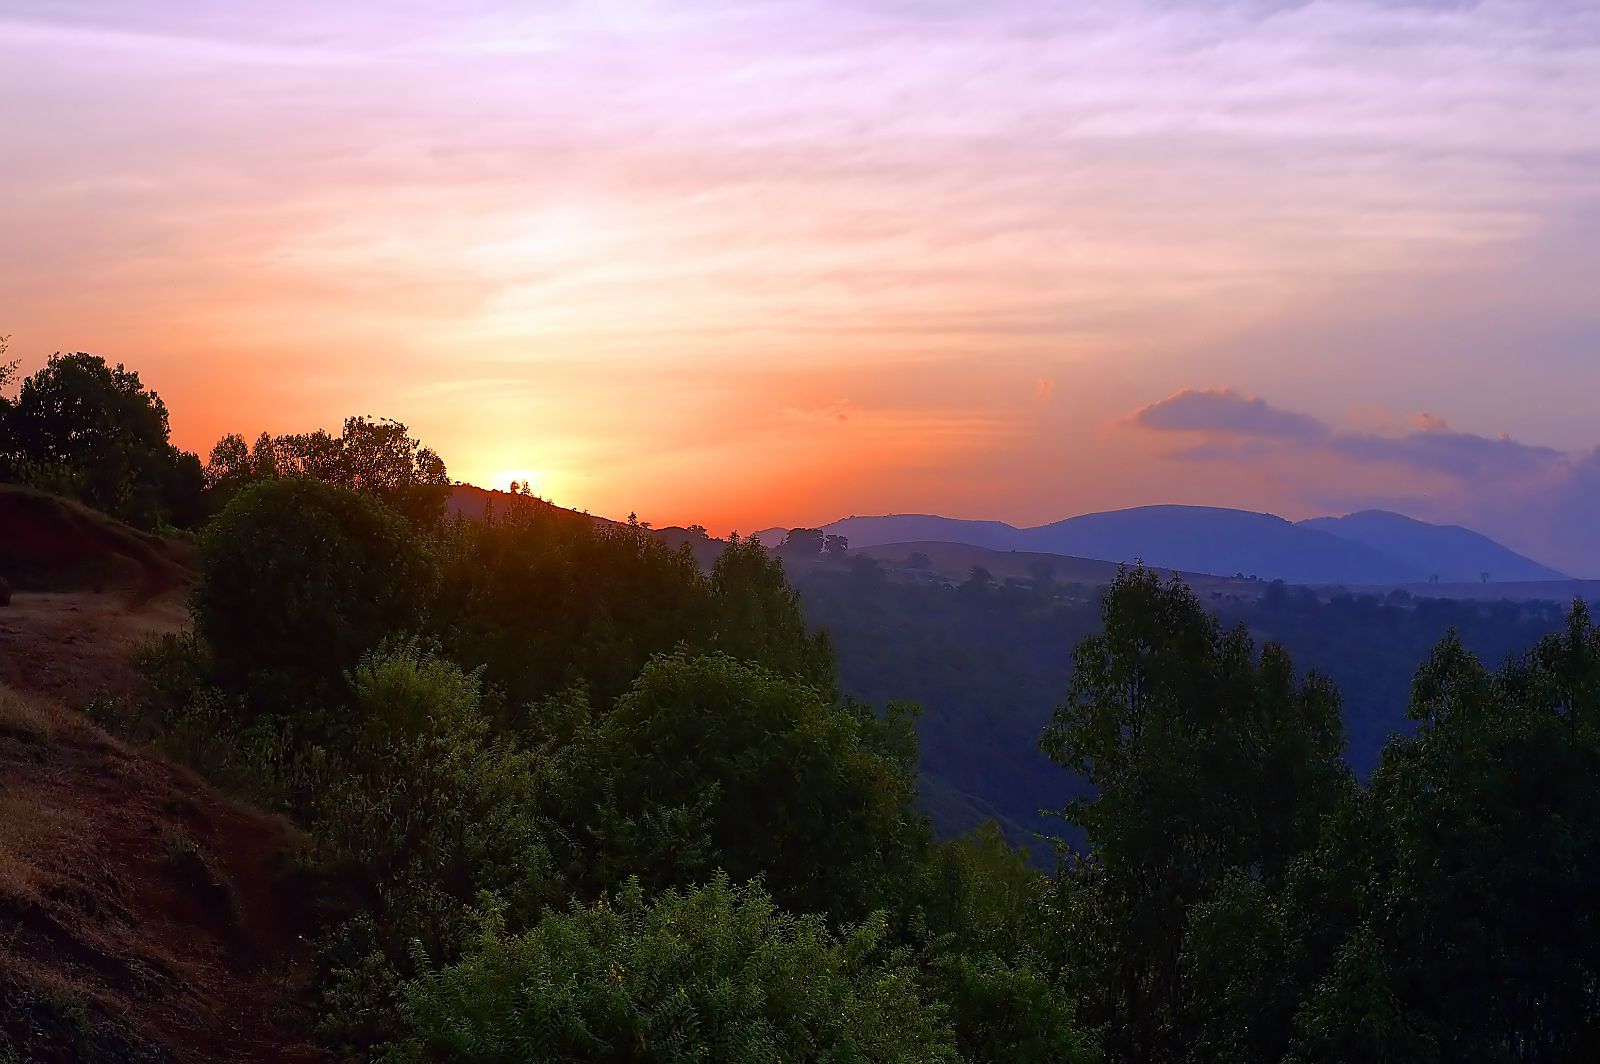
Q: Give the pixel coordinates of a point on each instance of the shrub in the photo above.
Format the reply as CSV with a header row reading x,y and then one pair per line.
x,y
712,974
424,804
299,579
712,763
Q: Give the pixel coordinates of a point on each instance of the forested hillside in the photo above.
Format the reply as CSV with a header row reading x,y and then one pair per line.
x,y
564,792
988,662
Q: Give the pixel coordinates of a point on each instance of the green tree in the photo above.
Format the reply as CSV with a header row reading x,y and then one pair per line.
x,y
547,600
1201,760
757,617
299,579
803,542
82,428
710,762
422,800
1479,928
715,973
976,912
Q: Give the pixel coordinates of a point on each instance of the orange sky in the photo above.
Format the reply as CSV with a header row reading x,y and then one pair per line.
x,y
776,263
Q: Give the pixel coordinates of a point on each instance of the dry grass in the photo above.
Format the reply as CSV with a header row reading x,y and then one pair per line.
x,y
34,717
31,840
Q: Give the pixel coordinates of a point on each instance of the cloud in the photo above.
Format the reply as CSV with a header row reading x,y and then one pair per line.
x,y
1438,448
1232,424
1227,412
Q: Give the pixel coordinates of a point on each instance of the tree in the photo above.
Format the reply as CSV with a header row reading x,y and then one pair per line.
x,y
1201,761
711,763
715,972
803,542
835,546
423,801
1478,927
376,456
865,568
298,580
82,428
757,617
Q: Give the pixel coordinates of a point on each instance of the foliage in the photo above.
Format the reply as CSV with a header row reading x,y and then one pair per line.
x,y
91,431
758,617
1204,760
976,910
426,803
377,456
803,542
711,762
987,668
716,973
547,600
1480,929
299,579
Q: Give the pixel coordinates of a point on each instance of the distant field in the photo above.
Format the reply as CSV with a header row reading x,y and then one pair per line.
x,y
955,561
1533,591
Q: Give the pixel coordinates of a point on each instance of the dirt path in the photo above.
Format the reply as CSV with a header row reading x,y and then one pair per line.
x,y
72,646
143,917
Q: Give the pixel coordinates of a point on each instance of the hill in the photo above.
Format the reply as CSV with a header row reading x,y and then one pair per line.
x,y
1449,552
50,542
144,916
469,500
1212,540
1367,549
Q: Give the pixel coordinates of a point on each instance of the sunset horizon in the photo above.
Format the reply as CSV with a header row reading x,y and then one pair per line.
x,y
746,265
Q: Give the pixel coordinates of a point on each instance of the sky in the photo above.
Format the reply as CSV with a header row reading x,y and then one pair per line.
x,y
759,262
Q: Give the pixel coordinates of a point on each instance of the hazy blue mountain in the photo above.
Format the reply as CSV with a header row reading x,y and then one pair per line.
x,y
1205,539
1373,547
1450,552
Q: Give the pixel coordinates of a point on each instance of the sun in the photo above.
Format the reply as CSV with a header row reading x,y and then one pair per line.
x,y
538,480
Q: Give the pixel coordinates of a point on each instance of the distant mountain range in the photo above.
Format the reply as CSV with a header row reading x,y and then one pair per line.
x,y
1371,547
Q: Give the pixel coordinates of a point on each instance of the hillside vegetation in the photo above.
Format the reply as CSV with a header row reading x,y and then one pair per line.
x,y
558,790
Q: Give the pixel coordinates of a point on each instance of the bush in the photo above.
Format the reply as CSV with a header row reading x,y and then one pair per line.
x,y
712,974
714,763
425,805
299,579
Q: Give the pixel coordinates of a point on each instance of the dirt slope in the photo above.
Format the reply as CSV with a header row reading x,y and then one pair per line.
x,y
143,916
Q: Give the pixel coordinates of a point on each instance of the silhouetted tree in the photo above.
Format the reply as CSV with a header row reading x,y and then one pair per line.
x,y
803,542
376,456
82,428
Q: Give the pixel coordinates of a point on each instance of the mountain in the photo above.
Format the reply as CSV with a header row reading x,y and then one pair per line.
x,y
1204,539
1373,547
1450,552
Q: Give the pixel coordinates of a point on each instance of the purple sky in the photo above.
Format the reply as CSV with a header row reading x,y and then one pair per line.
x,y
754,263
